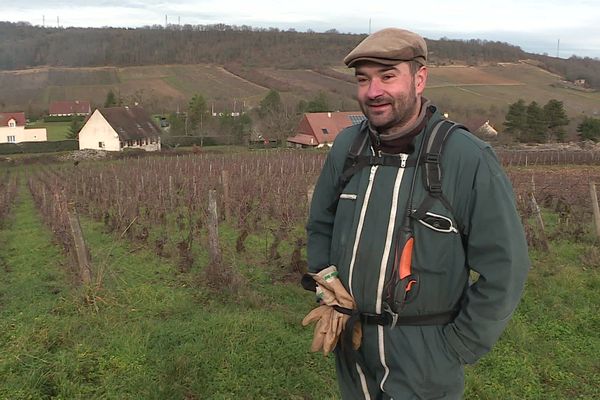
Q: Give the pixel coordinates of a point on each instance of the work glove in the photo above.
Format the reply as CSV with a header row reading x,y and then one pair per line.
x,y
330,323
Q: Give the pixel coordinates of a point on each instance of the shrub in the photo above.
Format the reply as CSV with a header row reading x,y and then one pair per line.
x,y
38,147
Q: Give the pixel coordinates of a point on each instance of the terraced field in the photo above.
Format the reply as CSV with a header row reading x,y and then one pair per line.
x,y
167,87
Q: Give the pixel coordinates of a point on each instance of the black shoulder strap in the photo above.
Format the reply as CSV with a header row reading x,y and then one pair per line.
x,y
432,176
351,164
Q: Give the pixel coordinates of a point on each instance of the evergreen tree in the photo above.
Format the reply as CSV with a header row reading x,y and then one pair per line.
x,y
111,99
556,118
196,111
271,103
176,125
74,128
536,123
589,129
318,104
516,120
276,119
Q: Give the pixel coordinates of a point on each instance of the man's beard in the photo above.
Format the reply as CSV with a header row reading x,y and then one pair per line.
x,y
402,110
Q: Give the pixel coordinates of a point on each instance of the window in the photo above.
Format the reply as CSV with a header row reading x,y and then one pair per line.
x,y
11,139
325,131
101,145
12,123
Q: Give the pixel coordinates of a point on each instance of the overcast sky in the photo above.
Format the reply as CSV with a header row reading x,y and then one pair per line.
x,y
563,27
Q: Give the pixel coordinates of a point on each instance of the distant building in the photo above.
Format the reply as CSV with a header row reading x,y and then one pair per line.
x,y
67,108
118,128
580,82
319,129
487,130
12,129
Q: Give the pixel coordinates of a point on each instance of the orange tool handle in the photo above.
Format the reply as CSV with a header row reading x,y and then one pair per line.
x,y
406,258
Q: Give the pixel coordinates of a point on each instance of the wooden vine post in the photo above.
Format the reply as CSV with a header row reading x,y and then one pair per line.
x,y
538,215
213,229
595,208
81,251
226,200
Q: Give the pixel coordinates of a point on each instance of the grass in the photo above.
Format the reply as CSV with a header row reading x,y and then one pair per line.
x,y
155,333
54,130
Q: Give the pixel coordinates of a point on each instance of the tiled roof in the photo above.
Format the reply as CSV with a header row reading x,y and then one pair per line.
x,y
130,123
324,127
69,107
19,118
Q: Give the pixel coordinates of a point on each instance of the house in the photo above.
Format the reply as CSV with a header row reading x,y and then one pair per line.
x,y
118,128
12,129
319,129
67,108
486,130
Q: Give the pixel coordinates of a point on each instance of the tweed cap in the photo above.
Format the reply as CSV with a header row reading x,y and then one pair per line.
x,y
389,46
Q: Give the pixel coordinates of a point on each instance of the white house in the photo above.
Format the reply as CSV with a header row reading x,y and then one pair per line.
x,y
118,128
12,129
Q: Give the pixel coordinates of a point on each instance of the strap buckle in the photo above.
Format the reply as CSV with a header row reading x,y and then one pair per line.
x,y
435,188
432,158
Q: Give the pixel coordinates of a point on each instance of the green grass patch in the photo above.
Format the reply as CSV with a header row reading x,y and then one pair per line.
x,y
152,332
54,130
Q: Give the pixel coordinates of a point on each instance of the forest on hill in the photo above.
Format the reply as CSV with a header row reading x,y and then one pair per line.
x,y
26,46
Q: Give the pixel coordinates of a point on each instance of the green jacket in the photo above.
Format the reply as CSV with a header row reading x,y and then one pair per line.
x,y
359,239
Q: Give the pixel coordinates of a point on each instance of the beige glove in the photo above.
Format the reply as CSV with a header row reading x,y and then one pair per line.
x,y
329,322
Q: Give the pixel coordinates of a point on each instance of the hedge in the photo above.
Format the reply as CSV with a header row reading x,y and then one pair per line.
x,y
63,118
39,147
187,141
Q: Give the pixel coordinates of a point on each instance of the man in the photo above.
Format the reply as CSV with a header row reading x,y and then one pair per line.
x,y
405,252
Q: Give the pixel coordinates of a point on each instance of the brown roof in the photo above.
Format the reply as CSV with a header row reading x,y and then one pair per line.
x,y
306,140
324,127
130,123
19,118
69,107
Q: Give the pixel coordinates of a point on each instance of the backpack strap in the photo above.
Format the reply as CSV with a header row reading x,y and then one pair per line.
x,y
432,169
356,160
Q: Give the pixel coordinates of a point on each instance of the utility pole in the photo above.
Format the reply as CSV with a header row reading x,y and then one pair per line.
x,y
166,23
557,48
369,26
57,22
43,21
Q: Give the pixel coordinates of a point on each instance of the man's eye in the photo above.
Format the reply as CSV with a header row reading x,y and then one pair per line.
x,y
361,80
387,77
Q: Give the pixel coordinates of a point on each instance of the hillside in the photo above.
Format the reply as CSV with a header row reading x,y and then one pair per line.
x,y
470,94
233,68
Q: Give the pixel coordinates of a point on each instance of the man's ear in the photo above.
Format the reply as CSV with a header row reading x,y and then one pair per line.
x,y
421,80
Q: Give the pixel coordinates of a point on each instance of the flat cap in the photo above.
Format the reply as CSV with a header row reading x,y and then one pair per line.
x,y
389,46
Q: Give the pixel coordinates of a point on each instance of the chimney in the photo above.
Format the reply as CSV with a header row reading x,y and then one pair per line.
x,y
329,114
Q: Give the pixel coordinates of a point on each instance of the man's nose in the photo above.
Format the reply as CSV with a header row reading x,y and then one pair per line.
x,y
375,89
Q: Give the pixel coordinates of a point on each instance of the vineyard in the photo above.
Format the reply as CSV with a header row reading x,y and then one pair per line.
x,y
157,210
162,203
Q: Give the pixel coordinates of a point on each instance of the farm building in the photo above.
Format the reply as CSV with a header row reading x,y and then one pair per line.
x,y
12,129
118,128
319,129
67,108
